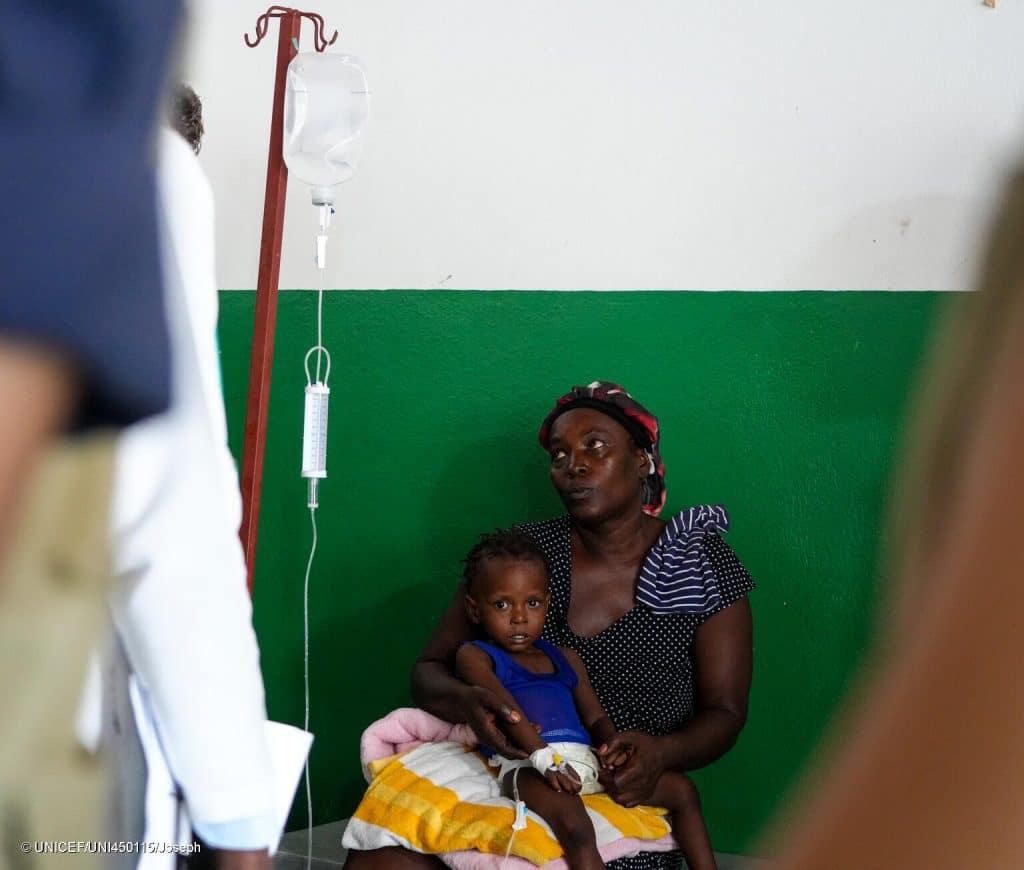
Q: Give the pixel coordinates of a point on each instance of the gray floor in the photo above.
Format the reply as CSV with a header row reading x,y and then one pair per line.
x,y
328,855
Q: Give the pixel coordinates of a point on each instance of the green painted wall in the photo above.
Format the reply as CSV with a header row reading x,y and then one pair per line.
x,y
784,406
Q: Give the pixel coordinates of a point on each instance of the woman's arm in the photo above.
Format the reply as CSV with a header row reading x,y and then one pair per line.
x,y
475,666
436,690
723,661
723,654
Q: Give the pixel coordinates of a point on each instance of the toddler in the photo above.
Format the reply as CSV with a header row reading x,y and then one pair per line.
x,y
507,596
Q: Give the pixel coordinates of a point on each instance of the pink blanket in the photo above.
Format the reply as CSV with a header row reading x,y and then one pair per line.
x,y
404,729
409,727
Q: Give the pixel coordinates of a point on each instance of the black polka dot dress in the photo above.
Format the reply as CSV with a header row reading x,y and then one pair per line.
x,y
641,666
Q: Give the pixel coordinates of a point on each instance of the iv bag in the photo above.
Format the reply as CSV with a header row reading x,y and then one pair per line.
x,y
326,103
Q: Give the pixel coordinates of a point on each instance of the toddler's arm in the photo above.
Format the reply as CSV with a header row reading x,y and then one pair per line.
x,y
592,714
474,666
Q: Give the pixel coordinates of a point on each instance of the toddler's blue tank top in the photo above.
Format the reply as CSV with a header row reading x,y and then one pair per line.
x,y
545,699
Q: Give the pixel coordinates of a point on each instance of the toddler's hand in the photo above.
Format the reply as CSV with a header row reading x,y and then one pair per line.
x,y
566,780
617,756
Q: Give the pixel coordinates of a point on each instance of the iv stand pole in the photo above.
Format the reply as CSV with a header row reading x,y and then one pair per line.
x,y
269,273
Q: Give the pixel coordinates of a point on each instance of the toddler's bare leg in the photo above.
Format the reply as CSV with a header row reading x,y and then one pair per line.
x,y
677,793
565,814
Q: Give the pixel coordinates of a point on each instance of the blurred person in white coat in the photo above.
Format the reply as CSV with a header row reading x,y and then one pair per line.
x,y
180,606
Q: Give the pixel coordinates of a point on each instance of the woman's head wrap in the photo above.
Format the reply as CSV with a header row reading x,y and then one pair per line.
x,y
641,424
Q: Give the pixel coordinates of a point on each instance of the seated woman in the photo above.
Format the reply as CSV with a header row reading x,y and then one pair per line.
x,y
656,611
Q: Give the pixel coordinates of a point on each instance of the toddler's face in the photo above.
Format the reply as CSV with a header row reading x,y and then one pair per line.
x,y
510,600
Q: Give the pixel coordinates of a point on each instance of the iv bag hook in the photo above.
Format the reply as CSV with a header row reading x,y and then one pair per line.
x,y
320,42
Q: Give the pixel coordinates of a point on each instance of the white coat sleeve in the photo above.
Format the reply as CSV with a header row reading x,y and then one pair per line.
x,y
180,603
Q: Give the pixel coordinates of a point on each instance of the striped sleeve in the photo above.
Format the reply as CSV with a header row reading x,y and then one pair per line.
x,y
733,580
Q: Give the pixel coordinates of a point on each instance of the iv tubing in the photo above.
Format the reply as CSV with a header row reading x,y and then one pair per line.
x,y
321,351
515,797
305,656
325,222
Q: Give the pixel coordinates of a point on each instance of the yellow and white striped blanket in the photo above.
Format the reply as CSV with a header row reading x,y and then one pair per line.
x,y
443,798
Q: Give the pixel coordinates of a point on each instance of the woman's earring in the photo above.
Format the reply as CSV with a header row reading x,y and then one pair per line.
x,y
650,465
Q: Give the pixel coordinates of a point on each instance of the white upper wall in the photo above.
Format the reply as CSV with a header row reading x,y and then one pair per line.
x,y
655,144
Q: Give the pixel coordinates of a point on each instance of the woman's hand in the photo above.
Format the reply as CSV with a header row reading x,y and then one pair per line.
x,y
484,712
631,763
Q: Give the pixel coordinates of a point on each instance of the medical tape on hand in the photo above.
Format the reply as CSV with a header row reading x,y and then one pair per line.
x,y
546,759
